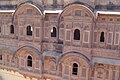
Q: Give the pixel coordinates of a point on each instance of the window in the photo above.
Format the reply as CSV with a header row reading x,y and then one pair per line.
x,y
0,57
53,32
67,35
12,29
116,38
29,30
111,19
0,29
29,61
76,34
75,69
0,24
110,37
118,19
86,37
102,37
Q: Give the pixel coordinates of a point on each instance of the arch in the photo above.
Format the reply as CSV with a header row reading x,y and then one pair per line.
x,y
37,53
33,4
81,3
1,57
76,34
86,6
75,54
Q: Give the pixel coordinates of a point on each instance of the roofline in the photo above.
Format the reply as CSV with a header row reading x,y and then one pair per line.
x,y
7,11
107,13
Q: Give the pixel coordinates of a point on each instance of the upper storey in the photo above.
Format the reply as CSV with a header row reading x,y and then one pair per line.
x,y
60,4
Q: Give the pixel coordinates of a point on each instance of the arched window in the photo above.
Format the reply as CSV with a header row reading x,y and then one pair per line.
x,y
75,69
29,30
12,29
102,37
53,32
76,34
29,61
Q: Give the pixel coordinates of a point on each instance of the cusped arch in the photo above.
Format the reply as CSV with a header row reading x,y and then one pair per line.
x,y
77,55
78,4
34,5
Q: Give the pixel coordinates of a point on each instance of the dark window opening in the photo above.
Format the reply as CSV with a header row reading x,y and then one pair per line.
x,y
0,57
75,69
29,30
12,29
53,32
102,38
0,29
77,34
29,61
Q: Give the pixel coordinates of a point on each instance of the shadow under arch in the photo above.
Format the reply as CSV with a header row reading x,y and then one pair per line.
x,y
35,5
37,52
73,53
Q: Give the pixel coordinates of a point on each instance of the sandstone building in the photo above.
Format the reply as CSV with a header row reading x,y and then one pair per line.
x,y
60,39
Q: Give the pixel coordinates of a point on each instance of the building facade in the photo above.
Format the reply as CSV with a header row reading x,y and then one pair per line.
x,y
60,39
